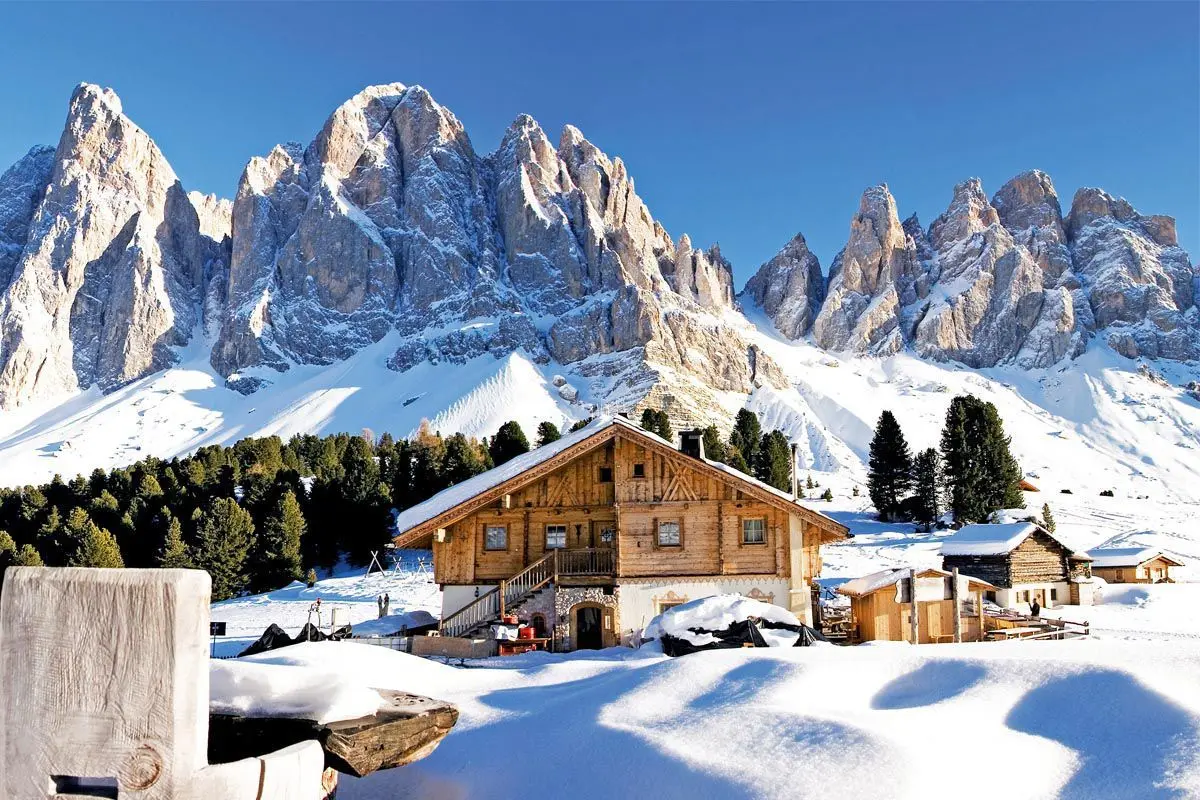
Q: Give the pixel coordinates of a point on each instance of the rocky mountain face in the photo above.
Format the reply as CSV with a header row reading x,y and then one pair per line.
x,y
387,224
1000,281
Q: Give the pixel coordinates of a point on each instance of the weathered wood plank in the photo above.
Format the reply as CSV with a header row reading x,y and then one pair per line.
x,y
405,729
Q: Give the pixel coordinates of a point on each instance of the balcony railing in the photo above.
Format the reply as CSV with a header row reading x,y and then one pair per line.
x,y
587,561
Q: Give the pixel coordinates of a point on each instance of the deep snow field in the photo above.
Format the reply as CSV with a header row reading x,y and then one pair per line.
x,y
1075,719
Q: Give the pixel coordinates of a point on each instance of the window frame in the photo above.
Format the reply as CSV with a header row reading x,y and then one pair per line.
x,y
603,472
763,540
658,529
487,526
546,538
639,470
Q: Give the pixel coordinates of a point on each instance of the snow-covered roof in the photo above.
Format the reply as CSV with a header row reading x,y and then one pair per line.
x,y
894,575
987,540
449,498
1126,556
994,539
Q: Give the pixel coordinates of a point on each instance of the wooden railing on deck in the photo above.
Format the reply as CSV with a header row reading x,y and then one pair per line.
x,y
491,605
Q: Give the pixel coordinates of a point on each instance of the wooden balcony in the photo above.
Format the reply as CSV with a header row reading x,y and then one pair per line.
x,y
585,563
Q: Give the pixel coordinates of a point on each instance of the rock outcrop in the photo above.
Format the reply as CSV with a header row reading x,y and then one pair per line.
x,y
107,280
789,288
1005,281
872,280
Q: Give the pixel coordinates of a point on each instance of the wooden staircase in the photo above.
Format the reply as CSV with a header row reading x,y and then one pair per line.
x,y
490,606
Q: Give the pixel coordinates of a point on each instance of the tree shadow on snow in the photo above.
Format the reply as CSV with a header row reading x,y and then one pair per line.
x,y
1127,736
550,744
930,683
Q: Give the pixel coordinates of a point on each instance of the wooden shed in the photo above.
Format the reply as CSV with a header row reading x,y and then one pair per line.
x,y
1024,562
1133,565
881,606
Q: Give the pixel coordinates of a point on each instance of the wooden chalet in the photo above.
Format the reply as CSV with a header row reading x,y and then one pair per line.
x,y
588,538
922,606
1024,561
1133,565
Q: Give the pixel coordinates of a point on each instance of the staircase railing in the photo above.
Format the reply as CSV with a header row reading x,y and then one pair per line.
x,y
491,604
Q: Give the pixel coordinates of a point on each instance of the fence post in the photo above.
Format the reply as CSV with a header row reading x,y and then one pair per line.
x,y
502,583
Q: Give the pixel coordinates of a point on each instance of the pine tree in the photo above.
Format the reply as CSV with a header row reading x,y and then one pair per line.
x,y
310,577
508,443
980,472
827,495
97,547
773,461
547,432
890,465
714,447
1047,520
8,553
926,480
658,423
27,556
808,483
735,459
746,436
174,553
225,531
578,424
462,460
276,557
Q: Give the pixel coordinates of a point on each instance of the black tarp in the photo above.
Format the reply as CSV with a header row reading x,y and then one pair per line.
x,y
275,637
740,634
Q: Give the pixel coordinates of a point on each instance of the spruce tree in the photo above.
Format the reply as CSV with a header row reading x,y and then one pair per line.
x,y
1047,520
97,547
462,460
746,436
980,472
735,459
508,443
547,432
926,480
174,553
773,464
714,447
8,553
27,556
224,535
578,424
890,463
276,555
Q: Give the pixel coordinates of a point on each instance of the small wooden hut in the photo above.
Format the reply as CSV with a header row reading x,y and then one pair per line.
x,y
1133,565
1024,562
947,607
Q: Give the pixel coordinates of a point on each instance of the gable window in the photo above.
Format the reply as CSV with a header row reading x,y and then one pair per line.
x,y
754,530
639,470
495,537
668,533
606,474
556,537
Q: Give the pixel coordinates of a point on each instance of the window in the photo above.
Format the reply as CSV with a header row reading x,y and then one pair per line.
x,y
556,537
607,535
663,605
754,531
495,537
606,474
639,470
668,533
1053,595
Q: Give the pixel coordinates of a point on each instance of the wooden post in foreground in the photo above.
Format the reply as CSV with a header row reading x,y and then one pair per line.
x,y
954,596
104,693
913,614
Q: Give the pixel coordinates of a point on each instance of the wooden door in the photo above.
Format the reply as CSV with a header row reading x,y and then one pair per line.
x,y
933,622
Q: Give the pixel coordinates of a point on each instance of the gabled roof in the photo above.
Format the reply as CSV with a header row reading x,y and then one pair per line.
x,y
868,584
446,507
995,539
1129,556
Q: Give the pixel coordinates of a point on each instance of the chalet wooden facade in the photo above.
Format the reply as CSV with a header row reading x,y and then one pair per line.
x,y
1024,561
591,536
1133,565
882,606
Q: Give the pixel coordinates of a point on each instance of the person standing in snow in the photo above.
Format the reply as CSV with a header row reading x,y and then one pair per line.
x,y
387,604
379,604
1034,608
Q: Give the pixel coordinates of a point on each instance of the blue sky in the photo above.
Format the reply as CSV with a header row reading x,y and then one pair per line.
x,y
741,123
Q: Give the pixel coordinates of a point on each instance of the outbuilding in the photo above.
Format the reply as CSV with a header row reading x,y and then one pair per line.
x,y
1024,561
881,606
1133,565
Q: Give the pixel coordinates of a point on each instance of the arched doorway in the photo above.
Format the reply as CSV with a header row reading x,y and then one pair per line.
x,y
591,626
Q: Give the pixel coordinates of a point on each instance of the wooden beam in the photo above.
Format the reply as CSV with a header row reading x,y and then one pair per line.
x,y
913,612
957,604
